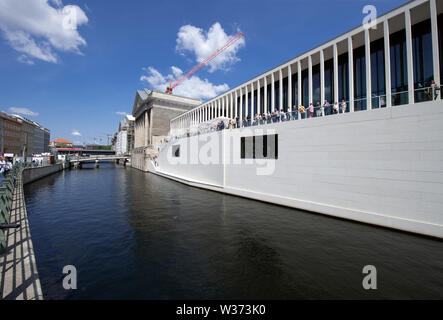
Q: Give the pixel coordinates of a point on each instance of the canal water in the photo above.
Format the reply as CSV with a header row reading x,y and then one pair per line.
x,y
133,235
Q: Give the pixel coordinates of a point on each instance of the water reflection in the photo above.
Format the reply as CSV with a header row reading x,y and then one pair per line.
x,y
134,235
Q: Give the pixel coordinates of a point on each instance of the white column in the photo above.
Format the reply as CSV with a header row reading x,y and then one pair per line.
x,y
435,52
241,108
289,86
246,101
351,74
223,106
232,107
336,98
280,89
252,103
409,57
235,104
368,70
265,101
388,98
272,92
311,97
258,96
300,96
322,77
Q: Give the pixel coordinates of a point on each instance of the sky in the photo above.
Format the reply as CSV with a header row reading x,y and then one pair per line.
x,y
75,66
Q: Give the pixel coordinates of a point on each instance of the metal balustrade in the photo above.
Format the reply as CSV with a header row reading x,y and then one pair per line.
x,y
6,197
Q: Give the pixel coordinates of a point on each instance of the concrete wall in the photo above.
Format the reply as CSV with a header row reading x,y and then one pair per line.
x,y
32,174
382,166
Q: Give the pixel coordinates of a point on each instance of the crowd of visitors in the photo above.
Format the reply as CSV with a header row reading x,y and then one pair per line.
x,y
293,113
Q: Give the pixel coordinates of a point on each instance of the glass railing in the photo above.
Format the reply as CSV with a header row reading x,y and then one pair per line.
x,y
378,101
360,104
399,98
426,94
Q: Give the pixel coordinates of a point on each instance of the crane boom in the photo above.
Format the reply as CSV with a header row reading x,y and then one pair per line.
x,y
207,60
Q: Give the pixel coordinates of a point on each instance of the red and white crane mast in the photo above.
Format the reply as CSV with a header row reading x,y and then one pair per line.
x,y
201,64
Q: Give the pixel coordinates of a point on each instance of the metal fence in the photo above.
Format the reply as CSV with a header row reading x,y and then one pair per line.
x,y
6,194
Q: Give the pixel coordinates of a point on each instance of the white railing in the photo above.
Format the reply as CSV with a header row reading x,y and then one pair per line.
x,y
378,101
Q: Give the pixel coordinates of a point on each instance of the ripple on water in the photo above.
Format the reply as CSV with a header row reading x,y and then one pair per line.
x,y
133,235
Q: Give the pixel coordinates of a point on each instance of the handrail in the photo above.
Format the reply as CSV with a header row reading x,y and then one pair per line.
x,y
6,196
264,118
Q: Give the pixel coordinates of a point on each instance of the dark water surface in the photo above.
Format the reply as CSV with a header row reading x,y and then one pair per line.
x,y
133,235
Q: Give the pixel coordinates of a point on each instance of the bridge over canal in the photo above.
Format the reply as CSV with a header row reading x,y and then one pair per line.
x,y
77,162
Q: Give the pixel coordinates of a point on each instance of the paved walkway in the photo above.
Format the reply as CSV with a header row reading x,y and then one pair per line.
x,y
18,271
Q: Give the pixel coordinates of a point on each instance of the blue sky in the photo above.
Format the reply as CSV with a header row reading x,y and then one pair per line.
x,y
98,67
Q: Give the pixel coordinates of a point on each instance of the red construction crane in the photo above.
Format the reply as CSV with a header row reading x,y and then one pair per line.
x,y
208,59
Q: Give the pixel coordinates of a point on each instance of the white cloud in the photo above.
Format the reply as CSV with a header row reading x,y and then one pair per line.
x,y
37,29
121,113
76,133
193,87
202,44
24,59
23,111
57,3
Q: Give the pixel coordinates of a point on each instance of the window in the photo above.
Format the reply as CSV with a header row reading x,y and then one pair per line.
x,y
316,91
294,101
285,94
378,73
269,97
343,77
305,87
422,58
359,79
277,95
176,151
399,73
329,81
259,147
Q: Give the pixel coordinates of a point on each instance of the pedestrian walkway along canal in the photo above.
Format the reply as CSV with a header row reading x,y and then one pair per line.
x,y
133,235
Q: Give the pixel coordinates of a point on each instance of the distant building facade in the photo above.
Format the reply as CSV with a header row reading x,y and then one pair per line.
x,y
39,139
31,135
11,135
124,143
61,143
46,139
26,135
153,111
